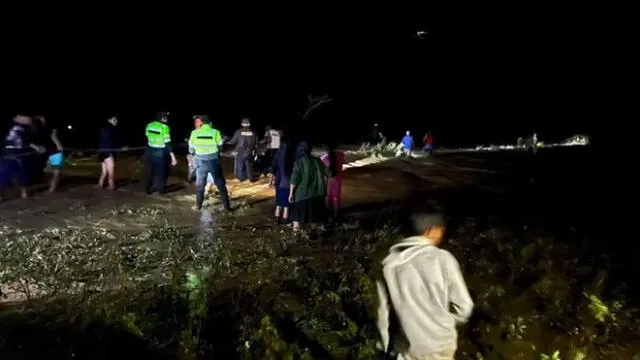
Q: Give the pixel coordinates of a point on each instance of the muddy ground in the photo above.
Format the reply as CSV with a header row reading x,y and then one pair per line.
x,y
547,195
548,190
79,204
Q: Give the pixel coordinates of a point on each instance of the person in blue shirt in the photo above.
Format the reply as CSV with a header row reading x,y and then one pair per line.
x,y
407,143
281,170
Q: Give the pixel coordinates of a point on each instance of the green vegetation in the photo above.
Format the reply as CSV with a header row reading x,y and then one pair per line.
x,y
170,293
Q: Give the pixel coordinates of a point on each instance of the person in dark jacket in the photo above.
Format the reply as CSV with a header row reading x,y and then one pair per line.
x,y
281,169
245,141
17,148
108,152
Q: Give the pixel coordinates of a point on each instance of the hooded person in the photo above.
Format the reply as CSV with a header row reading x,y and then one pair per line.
x,y
308,187
423,295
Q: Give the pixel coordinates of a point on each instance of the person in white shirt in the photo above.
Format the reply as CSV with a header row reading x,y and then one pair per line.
x,y
272,143
423,296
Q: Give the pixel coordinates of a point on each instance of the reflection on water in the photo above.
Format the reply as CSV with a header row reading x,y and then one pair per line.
x,y
207,223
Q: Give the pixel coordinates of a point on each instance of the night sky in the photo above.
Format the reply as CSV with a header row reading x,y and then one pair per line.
x,y
480,75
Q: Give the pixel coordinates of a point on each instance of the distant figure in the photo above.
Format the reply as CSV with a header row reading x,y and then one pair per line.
x,y
534,142
245,141
308,187
54,151
108,152
17,145
374,137
407,143
158,155
424,292
334,161
428,143
281,170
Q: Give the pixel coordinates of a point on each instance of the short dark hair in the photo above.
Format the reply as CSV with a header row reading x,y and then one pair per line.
x,y
204,118
422,221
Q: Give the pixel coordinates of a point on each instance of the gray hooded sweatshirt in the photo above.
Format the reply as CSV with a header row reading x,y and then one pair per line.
x,y
423,283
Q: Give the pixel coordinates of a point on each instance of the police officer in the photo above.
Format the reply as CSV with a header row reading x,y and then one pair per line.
x,y
205,143
245,141
157,155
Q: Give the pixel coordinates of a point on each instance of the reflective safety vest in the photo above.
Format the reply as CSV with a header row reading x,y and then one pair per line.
x,y
157,134
205,140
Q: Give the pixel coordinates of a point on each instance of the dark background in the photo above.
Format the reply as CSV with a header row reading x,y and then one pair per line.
x,y
481,75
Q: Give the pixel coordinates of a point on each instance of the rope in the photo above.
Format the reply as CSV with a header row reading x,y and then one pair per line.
x,y
74,151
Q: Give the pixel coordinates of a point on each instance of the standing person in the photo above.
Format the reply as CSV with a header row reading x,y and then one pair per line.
x,y
245,141
424,291
54,151
375,136
158,154
334,160
272,139
18,144
308,187
110,144
407,143
428,143
281,169
191,160
205,143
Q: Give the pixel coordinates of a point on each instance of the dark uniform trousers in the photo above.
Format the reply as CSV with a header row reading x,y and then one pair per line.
x,y
243,164
156,170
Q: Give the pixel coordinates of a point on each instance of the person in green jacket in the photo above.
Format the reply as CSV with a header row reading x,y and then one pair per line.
x,y
205,144
157,155
308,188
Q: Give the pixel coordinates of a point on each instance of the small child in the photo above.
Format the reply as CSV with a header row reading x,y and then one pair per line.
x,y
334,160
211,186
428,143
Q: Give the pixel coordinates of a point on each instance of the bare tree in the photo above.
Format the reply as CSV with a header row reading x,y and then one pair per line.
x,y
314,103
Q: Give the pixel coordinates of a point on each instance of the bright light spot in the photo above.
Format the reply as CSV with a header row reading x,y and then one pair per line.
x,y
69,127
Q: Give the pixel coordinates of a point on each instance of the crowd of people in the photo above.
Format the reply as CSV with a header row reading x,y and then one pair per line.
x,y
407,141
422,292
28,146
307,188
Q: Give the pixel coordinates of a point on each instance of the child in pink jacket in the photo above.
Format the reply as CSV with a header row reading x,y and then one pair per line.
x,y
334,160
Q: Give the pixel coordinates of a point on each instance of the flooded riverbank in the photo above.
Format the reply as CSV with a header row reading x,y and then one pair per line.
x,y
250,289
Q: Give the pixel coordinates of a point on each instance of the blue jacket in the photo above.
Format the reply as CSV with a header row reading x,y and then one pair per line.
x,y
282,166
407,142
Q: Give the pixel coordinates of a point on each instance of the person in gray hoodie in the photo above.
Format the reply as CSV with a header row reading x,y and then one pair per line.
x,y
423,296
